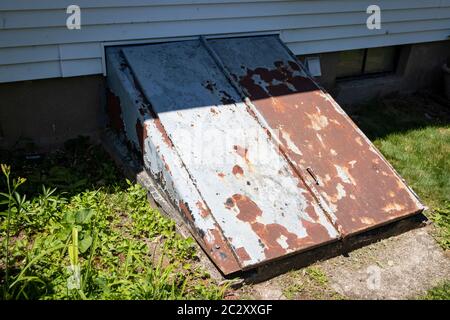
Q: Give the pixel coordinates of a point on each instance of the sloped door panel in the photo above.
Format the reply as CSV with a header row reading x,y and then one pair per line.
x,y
358,188
262,207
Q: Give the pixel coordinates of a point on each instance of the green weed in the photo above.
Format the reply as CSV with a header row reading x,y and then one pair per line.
x,y
413,133
440,292
93,240
317,275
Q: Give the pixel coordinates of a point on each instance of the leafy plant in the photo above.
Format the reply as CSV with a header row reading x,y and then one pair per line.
x,y
14,203
97,240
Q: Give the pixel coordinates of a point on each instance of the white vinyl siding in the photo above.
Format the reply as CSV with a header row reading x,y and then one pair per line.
x,y
35,44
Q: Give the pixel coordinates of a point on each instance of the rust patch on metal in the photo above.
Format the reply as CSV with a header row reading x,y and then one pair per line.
x,y
354,181
221,253
238,171
186,211
280,81
163,132
203,210
248,210
141,133
243,254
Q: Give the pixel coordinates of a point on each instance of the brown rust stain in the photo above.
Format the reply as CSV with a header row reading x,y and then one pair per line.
x,y
186,211
163,132
275,238
141,133
248,210
243,254
279,81
221,252
289,101
238,171
213,240
204,212
278,240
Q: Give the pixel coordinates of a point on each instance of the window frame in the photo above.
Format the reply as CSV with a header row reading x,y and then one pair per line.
x,y
364,75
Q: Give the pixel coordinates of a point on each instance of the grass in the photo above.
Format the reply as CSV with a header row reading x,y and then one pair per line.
x,y
76,229
440,292
309,283
413,133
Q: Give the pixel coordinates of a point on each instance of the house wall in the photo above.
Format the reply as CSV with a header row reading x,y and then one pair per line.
x,y
43,114
35,43
419,67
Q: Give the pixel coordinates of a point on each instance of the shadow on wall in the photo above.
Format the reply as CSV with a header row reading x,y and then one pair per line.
x,y
42,114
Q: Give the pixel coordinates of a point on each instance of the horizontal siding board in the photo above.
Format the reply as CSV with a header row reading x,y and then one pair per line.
x,y
72,68
114,32
310,47
50,69
62,4
80,51
50,53
352,31
28,54
94,50
30,71
95,16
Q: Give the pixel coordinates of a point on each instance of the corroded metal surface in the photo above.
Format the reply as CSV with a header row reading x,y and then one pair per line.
x,y
260,162
164,166
357,186
262,208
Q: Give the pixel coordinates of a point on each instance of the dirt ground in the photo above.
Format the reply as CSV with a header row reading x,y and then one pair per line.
x,y
400,267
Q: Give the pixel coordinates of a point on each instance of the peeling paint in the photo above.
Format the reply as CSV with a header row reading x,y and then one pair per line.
x,y
202,142
283,96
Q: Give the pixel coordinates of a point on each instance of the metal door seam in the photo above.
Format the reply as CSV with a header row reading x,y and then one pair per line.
x,y
260,120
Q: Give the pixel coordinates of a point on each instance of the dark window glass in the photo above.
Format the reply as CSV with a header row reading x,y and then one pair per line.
x,y
350,63
380,60
354,63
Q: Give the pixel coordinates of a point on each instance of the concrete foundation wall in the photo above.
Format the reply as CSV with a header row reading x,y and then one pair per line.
x,y
419,67
43,114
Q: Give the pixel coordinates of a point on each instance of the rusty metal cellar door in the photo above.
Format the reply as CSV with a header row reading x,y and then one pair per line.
x,y
278,166
357,187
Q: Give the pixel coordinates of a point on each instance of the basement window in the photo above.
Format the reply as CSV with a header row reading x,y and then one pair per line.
x,y
367,62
